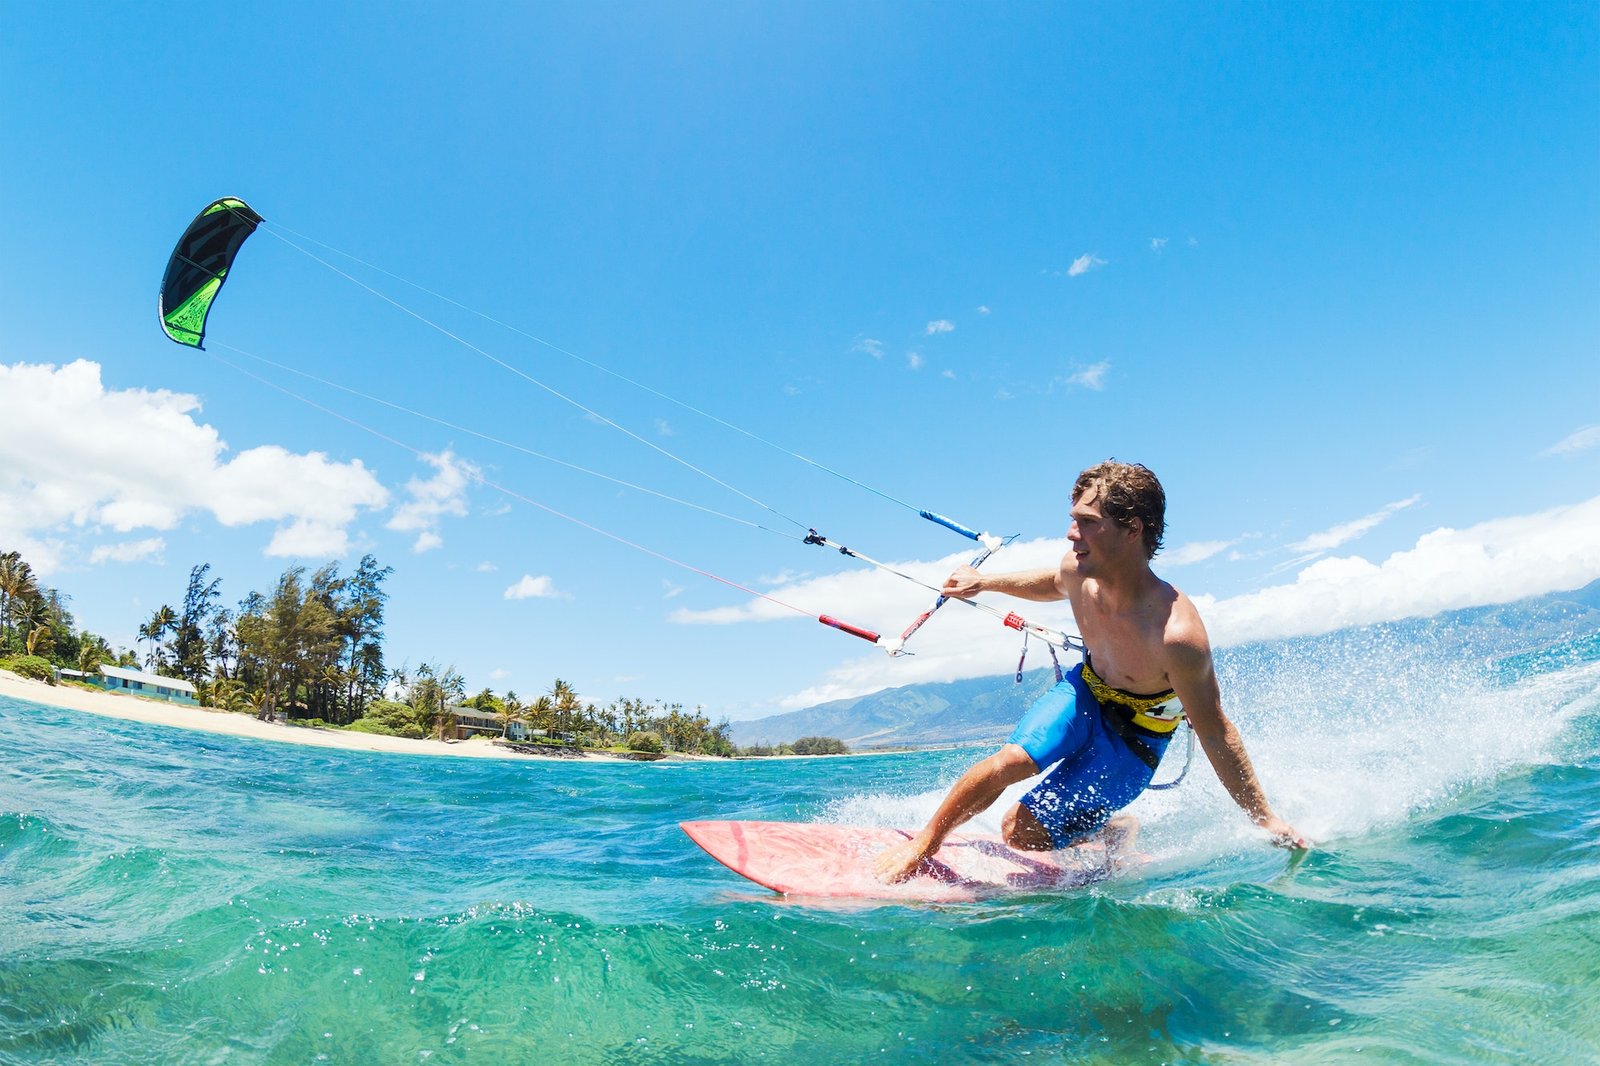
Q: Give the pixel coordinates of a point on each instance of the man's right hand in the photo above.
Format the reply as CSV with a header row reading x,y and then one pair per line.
x,y
963,584
900,863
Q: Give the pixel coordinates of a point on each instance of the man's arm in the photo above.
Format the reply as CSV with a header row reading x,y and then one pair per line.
x,y
1193,677
975,791
1041,585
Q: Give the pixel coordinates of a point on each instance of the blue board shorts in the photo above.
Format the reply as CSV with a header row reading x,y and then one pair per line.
x,y
1096,772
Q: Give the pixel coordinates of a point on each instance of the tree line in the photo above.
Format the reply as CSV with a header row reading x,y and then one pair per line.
x,y
312,650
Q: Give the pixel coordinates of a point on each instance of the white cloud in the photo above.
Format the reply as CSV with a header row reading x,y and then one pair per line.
x,y
487,568
1195,552
128,551
1345,532
983,309
1580,440
531,587
1496,561
951,374
1083,264
914,361
942,325
434,499
1157,243
664,428
499,674
147,463
868,345
305,538
1091,377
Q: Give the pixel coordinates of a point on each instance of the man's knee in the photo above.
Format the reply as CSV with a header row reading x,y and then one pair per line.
x,y
1022,830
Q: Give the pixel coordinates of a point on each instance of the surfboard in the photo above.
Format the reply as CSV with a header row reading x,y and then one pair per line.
x,y
815,859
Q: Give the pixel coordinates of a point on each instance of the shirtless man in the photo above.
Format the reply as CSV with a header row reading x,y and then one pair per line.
x,y
1147,664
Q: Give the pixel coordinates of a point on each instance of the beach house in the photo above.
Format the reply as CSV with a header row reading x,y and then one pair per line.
x,y
122,680
469,722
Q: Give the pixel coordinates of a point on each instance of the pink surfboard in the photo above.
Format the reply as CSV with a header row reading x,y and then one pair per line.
x,y
812,859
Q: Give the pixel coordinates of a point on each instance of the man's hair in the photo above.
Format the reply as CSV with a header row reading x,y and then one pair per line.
x,y
1126,491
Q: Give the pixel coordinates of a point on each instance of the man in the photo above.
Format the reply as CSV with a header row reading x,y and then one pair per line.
x,y
1147,664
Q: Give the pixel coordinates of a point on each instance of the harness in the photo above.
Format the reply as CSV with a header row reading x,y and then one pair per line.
x,y
1134,717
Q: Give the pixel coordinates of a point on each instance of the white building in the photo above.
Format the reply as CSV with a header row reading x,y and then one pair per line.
x,y
139,683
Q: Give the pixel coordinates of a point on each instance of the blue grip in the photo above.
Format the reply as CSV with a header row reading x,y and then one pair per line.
x,y
948,524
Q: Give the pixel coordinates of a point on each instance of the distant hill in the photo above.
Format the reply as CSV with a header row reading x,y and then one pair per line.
x,y
977,709
985,708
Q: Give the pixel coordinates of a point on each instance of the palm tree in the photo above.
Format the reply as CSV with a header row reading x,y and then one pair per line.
x,y
226,694
566,702
38,639
17,582
162,622
541,713
92,651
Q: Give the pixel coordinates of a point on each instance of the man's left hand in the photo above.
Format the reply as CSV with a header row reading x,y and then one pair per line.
x,y
1283,834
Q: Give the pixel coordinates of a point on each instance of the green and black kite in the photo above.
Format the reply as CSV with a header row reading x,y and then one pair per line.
x,y
199,266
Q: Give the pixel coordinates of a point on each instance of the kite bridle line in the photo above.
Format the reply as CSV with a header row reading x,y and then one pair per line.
x,y
894,646
524,375
603,476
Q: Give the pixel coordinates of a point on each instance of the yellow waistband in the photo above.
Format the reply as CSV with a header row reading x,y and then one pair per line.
x,y
1159,714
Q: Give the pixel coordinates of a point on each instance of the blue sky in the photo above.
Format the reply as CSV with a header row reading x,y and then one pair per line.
x,y
1333,271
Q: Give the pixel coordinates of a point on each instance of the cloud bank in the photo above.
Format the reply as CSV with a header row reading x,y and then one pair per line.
x,y
78,460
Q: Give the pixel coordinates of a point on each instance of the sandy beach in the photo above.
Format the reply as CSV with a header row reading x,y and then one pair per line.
x,y
157,712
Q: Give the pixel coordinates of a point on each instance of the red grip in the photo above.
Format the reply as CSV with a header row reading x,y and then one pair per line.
x,y
846,627
1015,621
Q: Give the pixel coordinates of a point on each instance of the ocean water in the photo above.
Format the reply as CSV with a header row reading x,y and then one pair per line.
x,y
176,897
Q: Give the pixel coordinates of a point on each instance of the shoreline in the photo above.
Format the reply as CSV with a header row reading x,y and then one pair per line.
x,y
233,724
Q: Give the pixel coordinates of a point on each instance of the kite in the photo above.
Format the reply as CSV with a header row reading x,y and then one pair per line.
x,y
199,265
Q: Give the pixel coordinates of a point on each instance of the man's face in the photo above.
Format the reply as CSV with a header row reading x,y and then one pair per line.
x,y
1095,540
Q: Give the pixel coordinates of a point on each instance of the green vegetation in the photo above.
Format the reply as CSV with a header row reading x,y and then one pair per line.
x,y
32,666
819,746
311,651
803,746
35,624
645,740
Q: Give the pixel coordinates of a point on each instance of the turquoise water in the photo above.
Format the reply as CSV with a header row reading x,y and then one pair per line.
x,y
168,896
